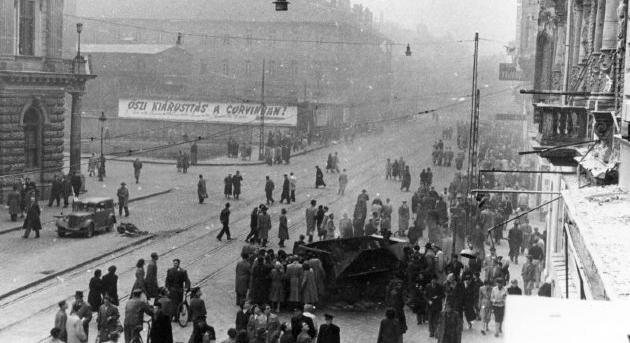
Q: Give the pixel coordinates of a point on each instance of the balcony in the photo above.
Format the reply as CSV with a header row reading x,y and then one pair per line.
x,y
559,125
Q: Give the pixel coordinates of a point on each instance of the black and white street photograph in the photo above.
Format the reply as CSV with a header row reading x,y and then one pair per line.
x,y
314,171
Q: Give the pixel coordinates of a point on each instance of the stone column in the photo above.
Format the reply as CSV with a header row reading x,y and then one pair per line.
x,y
609,32
606,59
577,35
586,20
599,25
75,132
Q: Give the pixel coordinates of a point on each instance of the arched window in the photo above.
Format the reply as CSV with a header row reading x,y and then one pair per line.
x,y
32,138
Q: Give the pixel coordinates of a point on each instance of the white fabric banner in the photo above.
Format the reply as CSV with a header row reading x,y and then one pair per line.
x,y
229,113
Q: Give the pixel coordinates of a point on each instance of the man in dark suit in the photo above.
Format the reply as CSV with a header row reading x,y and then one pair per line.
x,y
328,332
176,282
296,324
242,316
434,293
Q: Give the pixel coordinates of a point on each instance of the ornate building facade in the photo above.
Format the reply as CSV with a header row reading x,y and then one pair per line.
x,y
34,80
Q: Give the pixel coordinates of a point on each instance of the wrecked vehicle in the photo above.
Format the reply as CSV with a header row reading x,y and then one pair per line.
x,y
356,268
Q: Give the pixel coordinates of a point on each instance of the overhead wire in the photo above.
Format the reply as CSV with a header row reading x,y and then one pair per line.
x,y
254,38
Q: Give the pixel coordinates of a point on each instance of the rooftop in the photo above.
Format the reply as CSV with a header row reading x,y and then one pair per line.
x,y
602,215
149,49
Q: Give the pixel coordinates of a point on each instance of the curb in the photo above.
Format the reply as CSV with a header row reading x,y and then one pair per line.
x,y
77,266
2,232
210,164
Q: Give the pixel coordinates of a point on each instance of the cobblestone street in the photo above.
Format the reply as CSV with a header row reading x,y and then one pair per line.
x,y
185,229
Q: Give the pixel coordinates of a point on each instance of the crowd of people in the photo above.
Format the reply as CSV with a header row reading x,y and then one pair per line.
x,y
444,288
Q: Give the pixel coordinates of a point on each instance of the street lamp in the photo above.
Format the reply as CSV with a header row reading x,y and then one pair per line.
x,y
102,120
78,58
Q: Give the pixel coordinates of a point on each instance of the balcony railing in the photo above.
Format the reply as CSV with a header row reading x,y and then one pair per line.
x,y
561,124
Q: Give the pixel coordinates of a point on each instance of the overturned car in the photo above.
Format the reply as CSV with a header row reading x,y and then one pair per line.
x,y
356,268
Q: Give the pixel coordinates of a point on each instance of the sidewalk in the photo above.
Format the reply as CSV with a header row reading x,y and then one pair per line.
x,y
221,161
94,188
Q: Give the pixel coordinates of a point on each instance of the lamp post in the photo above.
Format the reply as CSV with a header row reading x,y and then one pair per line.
x,y
102,120
75,116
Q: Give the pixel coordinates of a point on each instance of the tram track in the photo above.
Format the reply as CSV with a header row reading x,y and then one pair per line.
x,y
211,253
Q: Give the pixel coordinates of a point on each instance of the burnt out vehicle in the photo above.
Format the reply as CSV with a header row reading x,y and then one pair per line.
x,y
356,268
88,216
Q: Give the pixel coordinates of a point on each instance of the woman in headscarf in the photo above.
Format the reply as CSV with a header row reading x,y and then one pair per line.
x,y
319,178
139,283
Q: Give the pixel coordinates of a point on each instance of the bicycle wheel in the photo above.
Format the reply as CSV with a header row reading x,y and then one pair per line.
x,y
182,314
136,339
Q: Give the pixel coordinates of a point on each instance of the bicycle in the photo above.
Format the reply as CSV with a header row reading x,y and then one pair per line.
x,y
183,310
137,334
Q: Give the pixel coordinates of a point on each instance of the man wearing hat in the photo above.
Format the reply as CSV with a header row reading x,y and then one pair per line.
x,y
123,199
84,312
328,332
134,313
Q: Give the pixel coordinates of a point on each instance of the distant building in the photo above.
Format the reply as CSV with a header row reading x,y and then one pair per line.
x,y
322,52
34,80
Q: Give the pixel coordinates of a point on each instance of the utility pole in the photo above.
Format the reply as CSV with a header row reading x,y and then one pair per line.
x,y
261,148
472,140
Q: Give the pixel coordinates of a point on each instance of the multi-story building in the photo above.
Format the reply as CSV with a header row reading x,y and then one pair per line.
x,y
581,110
34,80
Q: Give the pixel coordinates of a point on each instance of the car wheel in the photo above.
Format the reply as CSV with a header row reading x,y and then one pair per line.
x,y
90,231
61,232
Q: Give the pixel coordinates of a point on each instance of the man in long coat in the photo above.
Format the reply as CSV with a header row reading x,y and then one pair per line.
x,y
269,187
286,190
311,214
13,201
241,283
67,189
236,184
123,199
264,225
294,276
32,221
328,332
310,295
137,166
150,280
201,189
403,218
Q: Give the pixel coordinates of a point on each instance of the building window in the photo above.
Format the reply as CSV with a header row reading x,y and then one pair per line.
x,y
203,68
32,139
226,40
248,67
26,39
226,67
248,38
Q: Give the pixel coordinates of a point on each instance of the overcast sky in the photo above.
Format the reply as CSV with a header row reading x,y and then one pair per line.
x,y
493,19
